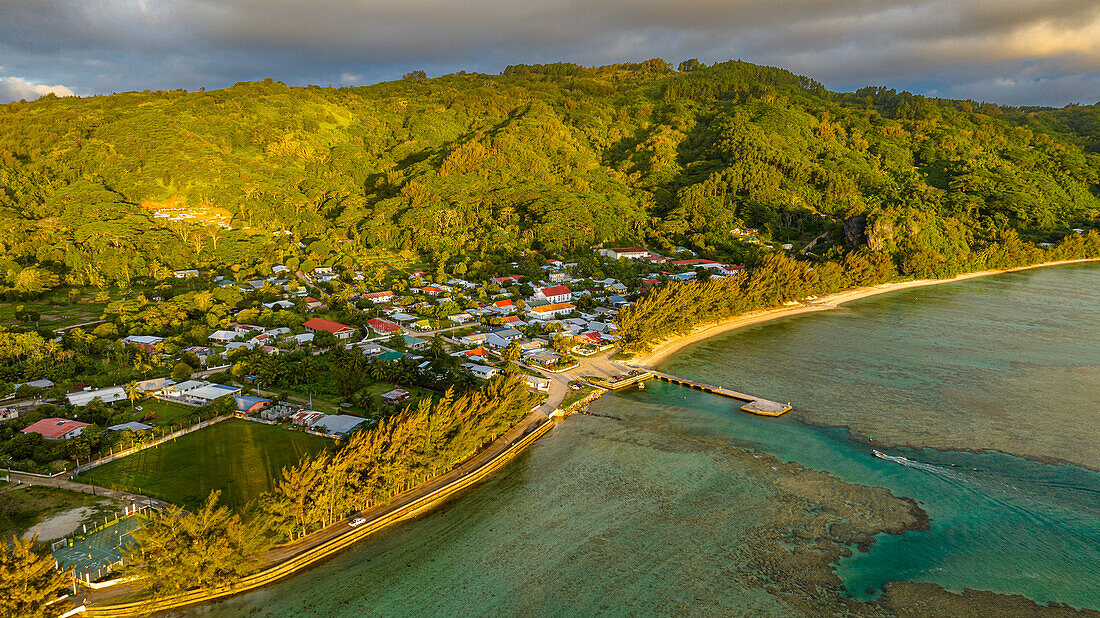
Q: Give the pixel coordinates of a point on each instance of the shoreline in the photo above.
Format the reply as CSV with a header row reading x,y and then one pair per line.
x,y
669,347
409,504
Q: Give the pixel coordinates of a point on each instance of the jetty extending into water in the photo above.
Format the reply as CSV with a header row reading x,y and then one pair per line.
x,y
753,404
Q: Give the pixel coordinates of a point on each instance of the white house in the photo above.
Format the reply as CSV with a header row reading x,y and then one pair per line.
x,y
555,294
337,424
539,383
245,329
222,336
146,342
198,392
110,394
371,348
480,371
551,311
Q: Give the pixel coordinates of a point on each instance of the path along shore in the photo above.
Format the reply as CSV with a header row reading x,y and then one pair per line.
x,y
665,349
284,560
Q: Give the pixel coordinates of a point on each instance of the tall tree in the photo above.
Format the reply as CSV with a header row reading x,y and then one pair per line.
x,y
178,551
28,581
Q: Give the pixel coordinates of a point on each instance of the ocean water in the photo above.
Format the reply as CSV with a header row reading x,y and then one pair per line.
x,y
681,503
1009,362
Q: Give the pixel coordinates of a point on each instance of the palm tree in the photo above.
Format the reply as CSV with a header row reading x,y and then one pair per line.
x,y
204,300
133,392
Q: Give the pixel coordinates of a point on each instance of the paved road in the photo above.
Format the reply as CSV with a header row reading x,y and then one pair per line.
x,y
62,482
559,388
342,527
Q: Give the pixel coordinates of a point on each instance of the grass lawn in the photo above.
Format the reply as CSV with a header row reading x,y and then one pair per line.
x,y
55,311
574,396
166,411
326,402
22,508
416,394
241,458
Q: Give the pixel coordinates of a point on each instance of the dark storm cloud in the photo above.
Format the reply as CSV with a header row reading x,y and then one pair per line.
x,y
1012,51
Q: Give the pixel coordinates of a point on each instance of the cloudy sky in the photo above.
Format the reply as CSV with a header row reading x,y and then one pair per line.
x,y
1020,52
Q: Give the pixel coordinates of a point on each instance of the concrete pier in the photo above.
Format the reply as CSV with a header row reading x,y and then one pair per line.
x,y
753,404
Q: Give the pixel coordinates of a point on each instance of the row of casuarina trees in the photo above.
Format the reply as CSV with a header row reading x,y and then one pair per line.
x,y
677,309
179,550
214,545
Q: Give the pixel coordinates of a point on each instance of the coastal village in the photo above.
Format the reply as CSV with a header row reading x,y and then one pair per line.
x,y
282,364
536,327
553,328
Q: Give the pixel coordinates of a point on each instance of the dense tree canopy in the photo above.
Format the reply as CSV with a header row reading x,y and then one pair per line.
x,y
29,580
553,157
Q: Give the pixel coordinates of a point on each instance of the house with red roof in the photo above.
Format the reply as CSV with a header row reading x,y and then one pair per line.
x,y
553,310
629,253
505,306
383,327
696,262
312,303
379,297
319,325
555,294
431,290
305,418
56,428
476,353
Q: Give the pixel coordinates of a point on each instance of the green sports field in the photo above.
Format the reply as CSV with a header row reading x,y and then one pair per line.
x,y
241,458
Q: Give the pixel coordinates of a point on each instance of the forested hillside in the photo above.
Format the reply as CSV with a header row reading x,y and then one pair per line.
x,y
476,169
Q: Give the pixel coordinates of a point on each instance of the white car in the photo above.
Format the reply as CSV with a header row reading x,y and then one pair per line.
x,y
358,521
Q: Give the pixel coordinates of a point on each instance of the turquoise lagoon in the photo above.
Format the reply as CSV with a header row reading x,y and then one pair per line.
x,y
665,510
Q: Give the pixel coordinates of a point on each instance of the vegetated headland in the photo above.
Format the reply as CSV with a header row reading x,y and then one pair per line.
x,y
663,350
352,249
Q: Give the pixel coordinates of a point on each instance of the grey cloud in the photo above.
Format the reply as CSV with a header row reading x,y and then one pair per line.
x,y
970,48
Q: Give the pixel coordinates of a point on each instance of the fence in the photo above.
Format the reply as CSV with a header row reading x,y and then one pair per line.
x,y
144,445
313,554
123,453
8,471
93,554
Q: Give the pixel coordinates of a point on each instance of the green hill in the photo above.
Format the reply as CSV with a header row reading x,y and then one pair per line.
x,y
555,158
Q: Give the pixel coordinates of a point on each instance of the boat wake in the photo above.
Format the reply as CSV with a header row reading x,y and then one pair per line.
x,y
918,465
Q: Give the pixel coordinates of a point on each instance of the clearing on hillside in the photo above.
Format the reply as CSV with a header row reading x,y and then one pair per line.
x,y
241,458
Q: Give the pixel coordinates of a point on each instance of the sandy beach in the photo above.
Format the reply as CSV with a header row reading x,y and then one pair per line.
x,y
665,349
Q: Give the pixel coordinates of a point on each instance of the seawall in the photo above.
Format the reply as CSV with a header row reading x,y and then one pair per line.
x,y
320,552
